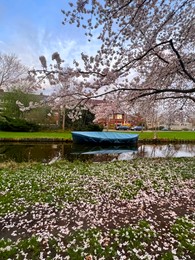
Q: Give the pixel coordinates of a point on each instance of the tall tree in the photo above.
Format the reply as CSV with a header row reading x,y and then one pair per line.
x,y
147,48
11,71
68,93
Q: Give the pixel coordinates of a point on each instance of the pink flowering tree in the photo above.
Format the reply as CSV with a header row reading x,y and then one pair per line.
x,y
104,109
147,48
67,92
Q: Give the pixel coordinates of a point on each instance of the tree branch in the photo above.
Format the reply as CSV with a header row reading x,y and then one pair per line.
x,y
181,62
143,55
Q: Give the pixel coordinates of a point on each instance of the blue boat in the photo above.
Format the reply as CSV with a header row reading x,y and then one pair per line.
x,y
80,137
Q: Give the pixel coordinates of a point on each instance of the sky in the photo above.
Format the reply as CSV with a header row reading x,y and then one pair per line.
x,y
31,28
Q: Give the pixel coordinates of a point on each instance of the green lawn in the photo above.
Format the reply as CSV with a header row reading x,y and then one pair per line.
x,y
19,135
170,135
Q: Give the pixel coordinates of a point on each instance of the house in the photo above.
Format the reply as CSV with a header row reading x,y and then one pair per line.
x,y
110,115
181,126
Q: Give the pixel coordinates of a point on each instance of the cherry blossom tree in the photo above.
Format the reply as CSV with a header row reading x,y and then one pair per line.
x,y
147,48
69,93
103,110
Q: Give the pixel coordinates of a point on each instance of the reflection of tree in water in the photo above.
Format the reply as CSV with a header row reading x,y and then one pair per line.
x,y
142,152
190,148
146,151
149,150
170,150
165,150
25,152
47,152
177,147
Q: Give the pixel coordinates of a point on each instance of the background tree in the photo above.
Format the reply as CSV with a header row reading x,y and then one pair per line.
x,y
84,122
11,107
41,115
22,111
10,100
11,71
147,48
68,95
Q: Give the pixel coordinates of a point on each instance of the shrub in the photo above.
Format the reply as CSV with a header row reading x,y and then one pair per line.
x,y
17,125
94,127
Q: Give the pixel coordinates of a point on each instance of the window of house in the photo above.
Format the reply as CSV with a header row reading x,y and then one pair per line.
x,y
119,116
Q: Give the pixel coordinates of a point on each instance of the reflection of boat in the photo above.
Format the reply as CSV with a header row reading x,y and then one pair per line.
x,y
104,138
116,149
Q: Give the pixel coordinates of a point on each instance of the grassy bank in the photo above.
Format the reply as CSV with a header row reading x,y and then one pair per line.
x,y
141,209
168,135
36,135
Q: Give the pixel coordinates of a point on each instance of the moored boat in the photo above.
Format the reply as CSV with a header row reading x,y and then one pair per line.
x,y
81,137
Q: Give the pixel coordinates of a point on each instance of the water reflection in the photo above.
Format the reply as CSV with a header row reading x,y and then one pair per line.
x,y
168,150
26,152
116,149
51,152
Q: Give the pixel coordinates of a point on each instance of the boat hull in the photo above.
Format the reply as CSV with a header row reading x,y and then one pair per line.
x,y
80,137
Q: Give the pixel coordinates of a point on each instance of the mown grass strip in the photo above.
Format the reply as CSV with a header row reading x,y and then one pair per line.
x,y
169,135
146,135
35,135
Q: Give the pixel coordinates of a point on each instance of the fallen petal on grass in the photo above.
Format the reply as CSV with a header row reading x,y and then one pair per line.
x,y
140,209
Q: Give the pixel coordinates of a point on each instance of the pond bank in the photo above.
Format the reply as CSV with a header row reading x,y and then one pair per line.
x,y
36,140
165,141
65,140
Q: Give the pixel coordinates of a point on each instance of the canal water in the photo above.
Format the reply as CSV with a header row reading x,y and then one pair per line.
x,y
51,152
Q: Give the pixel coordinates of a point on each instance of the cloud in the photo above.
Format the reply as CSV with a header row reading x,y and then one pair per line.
x,y
32,29
29,42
